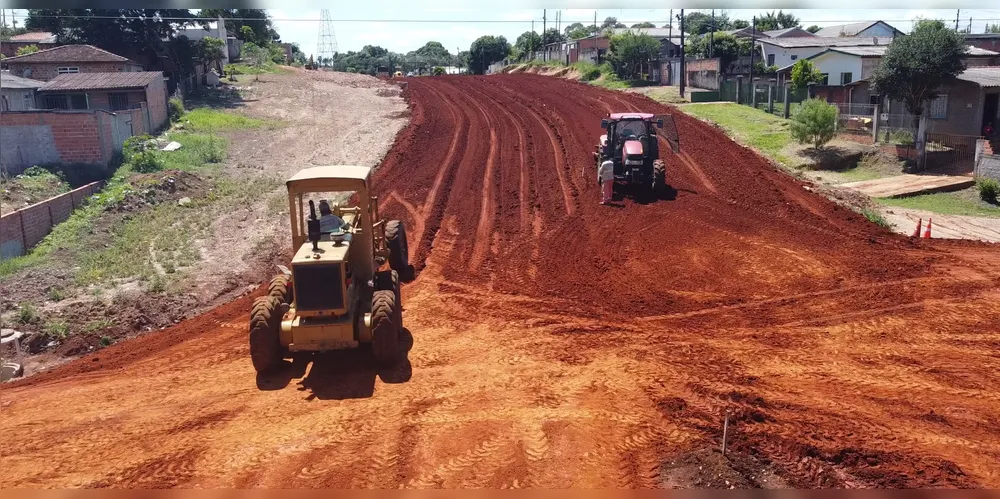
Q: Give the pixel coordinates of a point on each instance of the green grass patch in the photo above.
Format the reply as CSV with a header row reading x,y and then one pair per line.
x,y
197,150
965,202
665,94
34,185
767,133
204,119
875,217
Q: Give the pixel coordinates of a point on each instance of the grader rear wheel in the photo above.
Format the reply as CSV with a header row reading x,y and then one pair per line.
x,y
265,322
385,327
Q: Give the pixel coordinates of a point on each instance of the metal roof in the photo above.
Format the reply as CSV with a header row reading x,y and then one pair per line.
x,y
34,36
778,33
8,80
817,41
986,77
332,172
99,81
851,29
69,53
653,32
879,51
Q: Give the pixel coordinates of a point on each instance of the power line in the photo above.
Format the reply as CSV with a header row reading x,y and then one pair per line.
x,y
456,21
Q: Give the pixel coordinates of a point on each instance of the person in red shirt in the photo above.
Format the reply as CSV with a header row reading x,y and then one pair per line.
x,y
988,130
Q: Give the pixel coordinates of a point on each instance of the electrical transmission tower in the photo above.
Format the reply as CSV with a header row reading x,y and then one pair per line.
x,y
327,45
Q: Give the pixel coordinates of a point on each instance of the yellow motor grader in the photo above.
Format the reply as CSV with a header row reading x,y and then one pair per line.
x,y
343,286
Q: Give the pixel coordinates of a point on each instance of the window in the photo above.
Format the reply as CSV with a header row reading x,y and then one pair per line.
x,y
939,107
825,80
57,101
78,101
29,100
794,57
67,70
873,99
770,59
119,101
846,78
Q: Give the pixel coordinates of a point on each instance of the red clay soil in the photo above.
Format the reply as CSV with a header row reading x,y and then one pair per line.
x,y
553,342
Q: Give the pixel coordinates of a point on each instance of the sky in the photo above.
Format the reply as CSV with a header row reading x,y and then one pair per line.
x,y
462,26
457,27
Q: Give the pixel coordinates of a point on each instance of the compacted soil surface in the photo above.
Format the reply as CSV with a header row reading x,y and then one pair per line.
x,y
553,342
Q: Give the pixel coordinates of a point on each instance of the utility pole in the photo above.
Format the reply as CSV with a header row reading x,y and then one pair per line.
x,y
957,12
753,43
970,26
532,41
545,52
595,20
670,27
682,54
711,38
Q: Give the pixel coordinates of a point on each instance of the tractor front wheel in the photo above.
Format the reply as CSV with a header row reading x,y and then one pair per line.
x,y
659,177
395,238
385,327
265,323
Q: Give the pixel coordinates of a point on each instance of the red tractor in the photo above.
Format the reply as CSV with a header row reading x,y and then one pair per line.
x,y
631,144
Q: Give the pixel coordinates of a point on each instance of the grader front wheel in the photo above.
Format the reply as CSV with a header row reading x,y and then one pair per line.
x,y
265,322
280,288
395,239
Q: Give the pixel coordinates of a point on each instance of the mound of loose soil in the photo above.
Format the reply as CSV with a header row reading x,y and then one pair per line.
x,y
154,188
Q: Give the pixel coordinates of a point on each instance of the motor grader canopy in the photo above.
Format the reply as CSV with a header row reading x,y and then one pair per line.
x,y
330,178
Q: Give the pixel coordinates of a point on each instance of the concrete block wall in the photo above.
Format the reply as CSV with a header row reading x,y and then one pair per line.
x,y
60,136
989,166
24,228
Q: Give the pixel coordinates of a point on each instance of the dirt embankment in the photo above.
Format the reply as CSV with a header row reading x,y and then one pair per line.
x,y
552,342
320,118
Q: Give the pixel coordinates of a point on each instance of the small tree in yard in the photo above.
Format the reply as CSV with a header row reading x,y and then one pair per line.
x,y
629,51
256,57
27,49
915,67
814,123
804,73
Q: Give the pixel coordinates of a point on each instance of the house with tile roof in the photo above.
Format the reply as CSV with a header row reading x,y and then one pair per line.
x,y
41,39
46,64
145,90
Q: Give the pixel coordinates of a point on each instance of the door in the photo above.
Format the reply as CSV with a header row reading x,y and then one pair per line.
x,y
990,111
675,73
121,128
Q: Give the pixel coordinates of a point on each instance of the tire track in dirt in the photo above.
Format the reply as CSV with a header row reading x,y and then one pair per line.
x,y
612,340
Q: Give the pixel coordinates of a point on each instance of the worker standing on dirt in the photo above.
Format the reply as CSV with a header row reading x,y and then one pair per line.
x,y
606,179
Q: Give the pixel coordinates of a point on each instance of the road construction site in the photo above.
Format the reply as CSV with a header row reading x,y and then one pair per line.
x,y
554,342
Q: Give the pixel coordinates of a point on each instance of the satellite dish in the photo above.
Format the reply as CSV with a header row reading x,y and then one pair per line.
x,y
26,73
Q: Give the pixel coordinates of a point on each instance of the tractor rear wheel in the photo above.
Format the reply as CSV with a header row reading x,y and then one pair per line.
x,y
280,288
265,322
385,327
395,238
659,177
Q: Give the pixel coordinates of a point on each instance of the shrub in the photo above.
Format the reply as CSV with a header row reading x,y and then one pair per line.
x,y
175,108
814,123
34,171
902,137
989,189
146,162
27,314
58,329
56,294
438,71
137,144
588,72
106,341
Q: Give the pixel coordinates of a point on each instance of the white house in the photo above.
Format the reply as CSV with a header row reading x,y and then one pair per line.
x,y
846,65
866,28
215,29
783,52
16,93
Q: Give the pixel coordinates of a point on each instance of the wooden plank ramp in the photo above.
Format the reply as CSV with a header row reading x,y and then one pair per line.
x,y
909,185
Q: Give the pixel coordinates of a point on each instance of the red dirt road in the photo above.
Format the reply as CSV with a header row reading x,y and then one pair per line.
x,y
554,342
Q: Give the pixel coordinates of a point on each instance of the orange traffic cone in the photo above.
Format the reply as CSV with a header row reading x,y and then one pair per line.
x,y
916,232
927,233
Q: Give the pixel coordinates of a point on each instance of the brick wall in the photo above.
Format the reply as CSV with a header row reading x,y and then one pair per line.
x,y
47,71
99,99
24,228
702,73
76,136
156,102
